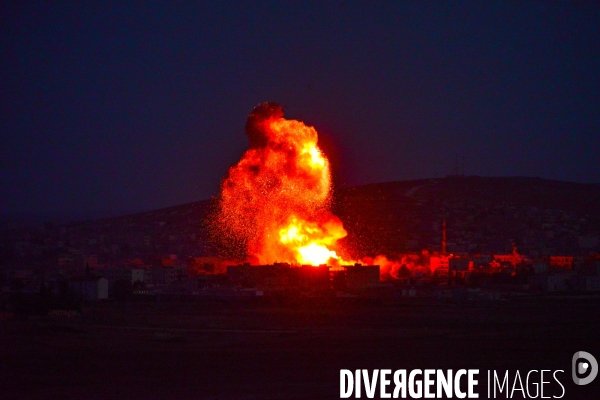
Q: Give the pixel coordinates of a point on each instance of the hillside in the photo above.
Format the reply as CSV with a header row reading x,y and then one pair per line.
x,y
482,214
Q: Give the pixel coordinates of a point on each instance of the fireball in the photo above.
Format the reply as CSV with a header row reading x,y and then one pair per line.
x,y
275,200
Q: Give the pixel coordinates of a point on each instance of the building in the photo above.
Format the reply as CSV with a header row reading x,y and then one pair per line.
x,y
137,275
265,277
281,277
561,262
459,264
175,275
482,260
113,274
90,288
90,261
590,283
559,282
540,267
309,278
439,264
362,276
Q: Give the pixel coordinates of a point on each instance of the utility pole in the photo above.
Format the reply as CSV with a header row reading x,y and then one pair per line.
x,y
444,237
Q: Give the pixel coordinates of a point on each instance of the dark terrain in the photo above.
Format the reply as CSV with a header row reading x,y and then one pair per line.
x,y
294,348
483,214
285,349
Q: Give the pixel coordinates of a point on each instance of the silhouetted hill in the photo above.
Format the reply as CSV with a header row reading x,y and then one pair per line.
x,y
577,198
482,214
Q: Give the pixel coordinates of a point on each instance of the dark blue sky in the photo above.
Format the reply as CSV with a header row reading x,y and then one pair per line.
x,y
111,108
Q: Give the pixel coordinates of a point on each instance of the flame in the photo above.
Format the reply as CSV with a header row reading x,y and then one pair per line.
x,y
310,242
274,202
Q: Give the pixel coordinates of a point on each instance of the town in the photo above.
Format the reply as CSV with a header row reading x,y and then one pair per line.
x,y
465,249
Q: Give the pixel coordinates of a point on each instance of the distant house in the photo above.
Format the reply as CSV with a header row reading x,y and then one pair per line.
x,y
90,288
562,262
362,276
482,259
590,283
460,264
559,282
540,267
440,263
137,275
115,273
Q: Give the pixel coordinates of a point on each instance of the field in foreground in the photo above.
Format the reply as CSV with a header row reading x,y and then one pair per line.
x,y
290,349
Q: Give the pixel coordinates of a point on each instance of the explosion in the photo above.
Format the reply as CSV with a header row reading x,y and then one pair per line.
x,y
274,203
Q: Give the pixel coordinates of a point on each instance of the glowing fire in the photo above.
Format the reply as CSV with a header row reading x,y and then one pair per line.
x,y
309,241
274,202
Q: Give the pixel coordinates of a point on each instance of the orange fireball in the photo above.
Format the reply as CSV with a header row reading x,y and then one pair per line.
x,y
275,200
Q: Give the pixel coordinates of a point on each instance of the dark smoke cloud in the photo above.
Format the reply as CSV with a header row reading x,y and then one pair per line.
x,y
255,123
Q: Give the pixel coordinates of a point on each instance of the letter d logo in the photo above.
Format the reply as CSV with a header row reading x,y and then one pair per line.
x,y
584,367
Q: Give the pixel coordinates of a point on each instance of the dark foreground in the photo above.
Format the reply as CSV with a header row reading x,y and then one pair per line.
x,y
288,349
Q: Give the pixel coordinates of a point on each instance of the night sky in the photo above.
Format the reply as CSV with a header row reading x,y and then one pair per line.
x,y
108,108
